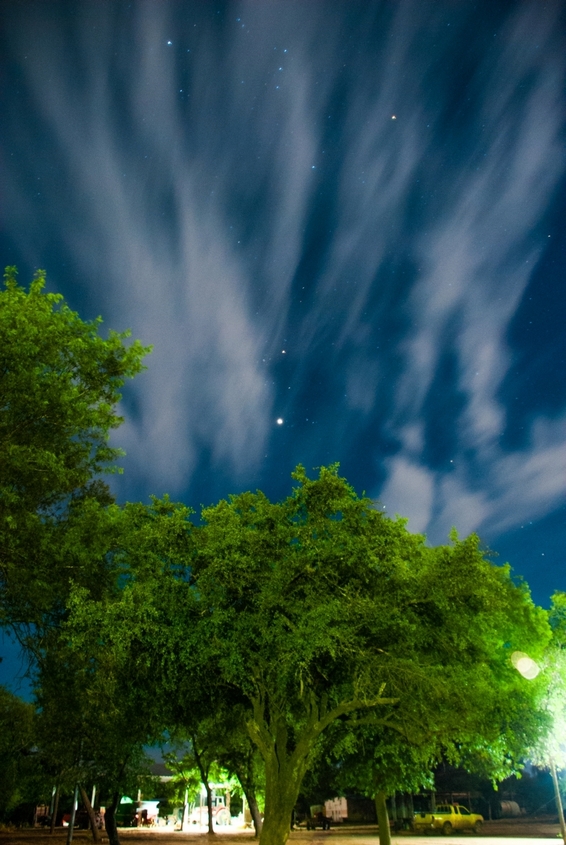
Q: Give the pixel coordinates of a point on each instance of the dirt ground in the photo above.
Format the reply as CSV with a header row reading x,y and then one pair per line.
x,y
502,832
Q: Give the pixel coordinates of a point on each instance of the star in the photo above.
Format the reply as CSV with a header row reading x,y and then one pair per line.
x,y
279,421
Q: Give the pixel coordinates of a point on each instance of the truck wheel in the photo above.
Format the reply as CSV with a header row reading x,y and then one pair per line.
x,y
223,816
447,828
478,827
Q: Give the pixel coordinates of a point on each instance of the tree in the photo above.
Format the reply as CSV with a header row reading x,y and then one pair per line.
x,y
320,609
59,384
17,736
112,649
374,761
556,696
184,787
218,737
238,755
93,721
488,734
550,749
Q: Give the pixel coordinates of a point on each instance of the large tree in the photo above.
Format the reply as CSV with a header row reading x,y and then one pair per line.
x,y
60,381
320,610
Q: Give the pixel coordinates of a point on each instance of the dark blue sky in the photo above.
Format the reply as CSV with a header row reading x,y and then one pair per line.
x,y
345,215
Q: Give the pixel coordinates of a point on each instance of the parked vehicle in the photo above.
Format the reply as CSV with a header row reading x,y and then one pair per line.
x,y
448,818
318,818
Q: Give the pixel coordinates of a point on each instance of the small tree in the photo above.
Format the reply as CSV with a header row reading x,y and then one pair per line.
x,y
239,756
549,751
18,774
184,787
113,649
93,722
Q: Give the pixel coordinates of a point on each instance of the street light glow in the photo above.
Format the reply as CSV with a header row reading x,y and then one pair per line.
x,y
525,665
529,669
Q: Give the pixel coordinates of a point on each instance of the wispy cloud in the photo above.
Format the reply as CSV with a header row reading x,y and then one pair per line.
x,y
189,181
475,263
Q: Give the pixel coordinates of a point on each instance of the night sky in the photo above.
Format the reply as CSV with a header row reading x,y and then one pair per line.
x,y
345,216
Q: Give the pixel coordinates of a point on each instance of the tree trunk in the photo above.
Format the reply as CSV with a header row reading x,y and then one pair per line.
x,y
204,779
245,776
55,809
185,816
71,828
110,820
382,818
559,806
255,813
90,812
209,805
282,783
277,820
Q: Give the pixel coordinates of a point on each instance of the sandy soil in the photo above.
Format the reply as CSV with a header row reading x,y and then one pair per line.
x,y
502,832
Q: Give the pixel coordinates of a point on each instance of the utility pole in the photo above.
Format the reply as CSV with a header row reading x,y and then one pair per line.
x,y
73,813
559,806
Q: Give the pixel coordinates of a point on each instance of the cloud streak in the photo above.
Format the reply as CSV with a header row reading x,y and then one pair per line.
x,y
244,189
476,263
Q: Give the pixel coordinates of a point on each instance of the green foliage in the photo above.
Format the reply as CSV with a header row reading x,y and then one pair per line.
x,y
185,782
92,722
313,614
98,692
59,384
557,618
319,610
551,744
19,778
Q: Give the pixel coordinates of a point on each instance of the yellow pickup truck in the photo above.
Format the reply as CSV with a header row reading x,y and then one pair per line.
x,y
448,818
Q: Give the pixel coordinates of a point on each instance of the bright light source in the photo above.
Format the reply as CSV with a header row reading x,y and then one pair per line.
x,y
525,665
279,421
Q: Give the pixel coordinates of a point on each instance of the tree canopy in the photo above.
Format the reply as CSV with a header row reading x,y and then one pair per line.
x,y
319,610
60,381
316,616
17,736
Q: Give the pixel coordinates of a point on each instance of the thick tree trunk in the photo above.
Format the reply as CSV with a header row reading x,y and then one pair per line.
x,y
277,820
382,818
283,781
90,813
55,809
286,762
110,820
